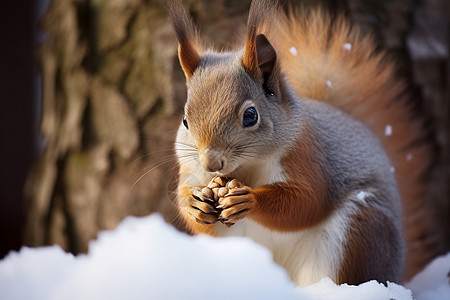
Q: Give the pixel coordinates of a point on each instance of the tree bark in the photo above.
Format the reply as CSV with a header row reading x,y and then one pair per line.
x,y
113,97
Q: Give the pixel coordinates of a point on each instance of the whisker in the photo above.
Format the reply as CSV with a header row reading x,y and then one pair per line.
x,y
186,144
171,150
245,146
152,153
171,159
248,155
176,166
190,150
152,167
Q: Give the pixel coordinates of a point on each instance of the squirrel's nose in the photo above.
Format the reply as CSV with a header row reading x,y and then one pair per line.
x,y
215,166
212,159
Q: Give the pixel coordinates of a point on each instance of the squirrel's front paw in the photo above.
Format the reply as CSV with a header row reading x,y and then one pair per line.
x,y
218,188
200,205
236,204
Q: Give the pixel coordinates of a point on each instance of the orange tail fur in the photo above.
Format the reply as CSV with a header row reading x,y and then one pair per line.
x,y
325,59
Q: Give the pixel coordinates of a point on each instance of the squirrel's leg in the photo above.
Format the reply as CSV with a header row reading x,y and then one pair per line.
x,y
374,247
281,206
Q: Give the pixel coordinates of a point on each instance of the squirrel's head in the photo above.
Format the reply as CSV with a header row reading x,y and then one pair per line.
x,y
235,104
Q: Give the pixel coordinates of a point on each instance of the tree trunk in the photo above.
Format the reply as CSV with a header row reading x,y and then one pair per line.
x,y
113,96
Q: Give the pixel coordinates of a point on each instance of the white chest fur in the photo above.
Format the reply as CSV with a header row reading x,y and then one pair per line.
x,y
267,171
307,255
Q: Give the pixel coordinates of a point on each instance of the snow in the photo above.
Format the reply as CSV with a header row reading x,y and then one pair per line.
x,y
145,258
327,289
433,282
347,46
388,130
361,195
293,51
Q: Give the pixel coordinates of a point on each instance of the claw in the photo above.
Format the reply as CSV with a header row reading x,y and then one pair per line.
x,y
203,222
227,222
237,192
200,195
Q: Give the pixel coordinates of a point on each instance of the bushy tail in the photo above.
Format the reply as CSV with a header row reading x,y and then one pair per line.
x,y
325,59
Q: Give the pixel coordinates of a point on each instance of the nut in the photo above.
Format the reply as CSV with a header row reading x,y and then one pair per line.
x,y
233,184
206,191
222,192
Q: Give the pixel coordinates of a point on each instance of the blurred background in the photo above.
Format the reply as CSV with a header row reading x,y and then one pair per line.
x,y
92,96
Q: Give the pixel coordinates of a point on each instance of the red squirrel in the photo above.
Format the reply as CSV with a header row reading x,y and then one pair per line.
x,y
295,141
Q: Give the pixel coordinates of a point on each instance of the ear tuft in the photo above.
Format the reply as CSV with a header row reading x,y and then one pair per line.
x,y
188,53
259,55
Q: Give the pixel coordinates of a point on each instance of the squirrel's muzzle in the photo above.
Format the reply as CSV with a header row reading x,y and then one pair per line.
x,y
212,160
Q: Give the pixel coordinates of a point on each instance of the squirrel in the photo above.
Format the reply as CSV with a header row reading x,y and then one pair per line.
x,y
303,141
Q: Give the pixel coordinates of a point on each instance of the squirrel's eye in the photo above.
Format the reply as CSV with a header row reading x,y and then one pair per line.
x,y
250,117
185,123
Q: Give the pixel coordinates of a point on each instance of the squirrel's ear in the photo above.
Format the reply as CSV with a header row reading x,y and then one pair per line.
x,y
260,58
188,53
262,63
266,55
189,58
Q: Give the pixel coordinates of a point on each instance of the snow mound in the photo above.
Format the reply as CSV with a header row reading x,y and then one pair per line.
x,y
433,282
371,290
145,258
